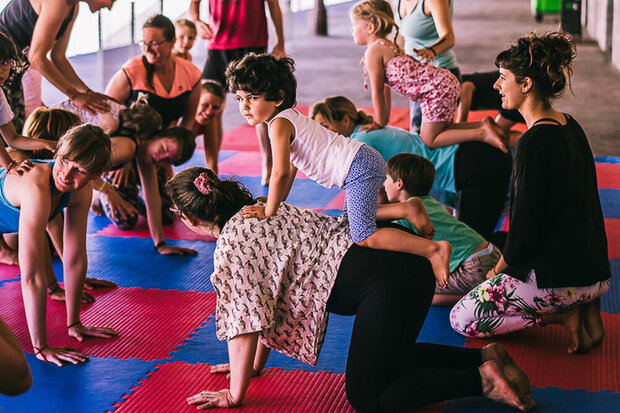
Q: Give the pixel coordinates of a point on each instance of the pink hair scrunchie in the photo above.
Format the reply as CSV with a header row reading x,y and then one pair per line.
x,y
203,183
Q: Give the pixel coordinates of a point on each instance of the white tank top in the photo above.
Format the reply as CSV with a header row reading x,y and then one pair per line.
x,y
324,156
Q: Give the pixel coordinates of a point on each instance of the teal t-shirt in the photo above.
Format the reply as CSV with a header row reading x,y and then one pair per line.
x,y
419,31
390,140
463,239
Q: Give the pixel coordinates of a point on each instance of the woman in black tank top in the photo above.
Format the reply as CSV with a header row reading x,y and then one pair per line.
x,y
39,27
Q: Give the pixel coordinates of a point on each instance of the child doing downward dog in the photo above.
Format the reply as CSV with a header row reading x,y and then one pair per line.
x,y
266,90
437,90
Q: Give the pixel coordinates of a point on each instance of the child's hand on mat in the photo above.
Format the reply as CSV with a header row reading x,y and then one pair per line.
x,y
58,355
174,250
210,399
94,283
254,211
79,332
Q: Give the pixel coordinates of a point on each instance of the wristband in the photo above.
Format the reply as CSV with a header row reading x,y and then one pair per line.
x,y
160,244
10,166
103,185
432,50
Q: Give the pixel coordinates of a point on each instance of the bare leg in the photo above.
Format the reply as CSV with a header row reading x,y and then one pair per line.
x,y
496,387
265,149
515,376
413,211
440,134
591,313
437,252
573,321
8,255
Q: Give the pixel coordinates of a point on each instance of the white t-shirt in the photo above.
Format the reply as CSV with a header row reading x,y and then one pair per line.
x,y
6,114
324,156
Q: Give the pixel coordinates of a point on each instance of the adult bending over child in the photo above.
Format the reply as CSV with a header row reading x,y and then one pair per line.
x,y
33,199
266,269
555,264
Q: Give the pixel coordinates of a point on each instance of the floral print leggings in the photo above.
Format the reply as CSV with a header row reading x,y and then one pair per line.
x,y
503,304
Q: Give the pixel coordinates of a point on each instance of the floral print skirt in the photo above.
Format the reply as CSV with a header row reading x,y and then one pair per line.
x,y
503,304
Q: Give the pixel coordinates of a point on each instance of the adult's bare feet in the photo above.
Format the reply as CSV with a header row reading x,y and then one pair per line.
x,y
496,387
515,376
8,255
572,321
591,313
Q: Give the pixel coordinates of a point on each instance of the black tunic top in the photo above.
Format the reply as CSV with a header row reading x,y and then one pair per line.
x,y
17,20
556,221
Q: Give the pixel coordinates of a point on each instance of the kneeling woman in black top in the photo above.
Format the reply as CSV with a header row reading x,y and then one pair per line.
x,y
555,264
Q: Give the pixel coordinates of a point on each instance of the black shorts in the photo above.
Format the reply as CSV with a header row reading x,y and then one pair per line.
x,y
485,97
218,60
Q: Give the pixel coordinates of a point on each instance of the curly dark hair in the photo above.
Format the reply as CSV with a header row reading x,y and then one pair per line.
x,y
266,75
8,52
226,198
546,59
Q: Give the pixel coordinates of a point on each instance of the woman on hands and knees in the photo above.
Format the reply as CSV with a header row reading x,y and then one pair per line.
x,y
555,264
263,286
30,202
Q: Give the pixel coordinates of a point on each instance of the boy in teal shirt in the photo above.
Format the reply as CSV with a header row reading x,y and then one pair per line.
x,y
410,175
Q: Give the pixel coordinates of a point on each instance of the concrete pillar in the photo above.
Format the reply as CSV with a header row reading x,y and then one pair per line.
x,y
599,22
615,36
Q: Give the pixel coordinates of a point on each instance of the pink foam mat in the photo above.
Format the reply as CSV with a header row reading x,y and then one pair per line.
x,y
337,202
608,175
8,272
612,227
176,231
151,323
542,354
275,390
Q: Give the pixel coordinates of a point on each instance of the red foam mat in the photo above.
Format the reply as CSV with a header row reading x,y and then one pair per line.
x,y
246,164
151,323
608,175
542,353
612,227
275,390
8,272
176,231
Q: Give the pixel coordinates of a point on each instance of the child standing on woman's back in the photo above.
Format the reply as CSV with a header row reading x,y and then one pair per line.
x,y
266,90
437,90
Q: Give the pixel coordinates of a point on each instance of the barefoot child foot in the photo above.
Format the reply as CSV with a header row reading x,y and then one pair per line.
x,y
515,376
493,134
416,214
440,261
495,386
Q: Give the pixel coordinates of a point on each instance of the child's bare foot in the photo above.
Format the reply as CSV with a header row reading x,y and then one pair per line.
x,y
591,313
495,386
493,134
440,261
573,322
8,255
416,214
515,376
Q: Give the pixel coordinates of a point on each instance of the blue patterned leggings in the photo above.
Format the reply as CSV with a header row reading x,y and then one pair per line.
x,y
362,184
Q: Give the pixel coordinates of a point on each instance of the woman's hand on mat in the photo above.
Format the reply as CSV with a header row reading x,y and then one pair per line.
x,y
80,332
94,283
174,250
210,399
118,206
370,126
58,355
254,211
120,178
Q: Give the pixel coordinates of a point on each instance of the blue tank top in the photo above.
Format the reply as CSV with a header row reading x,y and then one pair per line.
x,y
389,141
18,19
9,215
419,32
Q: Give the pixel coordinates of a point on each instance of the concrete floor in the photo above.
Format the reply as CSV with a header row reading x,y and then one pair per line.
x,y
330,65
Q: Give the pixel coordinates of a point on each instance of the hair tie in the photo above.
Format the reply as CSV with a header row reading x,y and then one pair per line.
x,y
143,99
203,183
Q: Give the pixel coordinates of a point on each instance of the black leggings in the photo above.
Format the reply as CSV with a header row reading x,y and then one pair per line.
x,y
481,175
390,294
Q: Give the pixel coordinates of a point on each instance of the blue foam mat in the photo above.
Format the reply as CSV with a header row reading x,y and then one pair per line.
x,y
548,400
607,159
437,329
87,387
610,302
610,202
132,262
204,347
